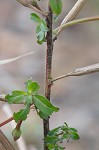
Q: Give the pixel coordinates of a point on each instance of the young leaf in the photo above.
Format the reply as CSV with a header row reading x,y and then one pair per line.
x,y
43,105
40,36
43,27
17,97
36,18
22,114
56,136
74,136
56,6
28,100
27,83
38,29
32,87
40,42
73,129
54,131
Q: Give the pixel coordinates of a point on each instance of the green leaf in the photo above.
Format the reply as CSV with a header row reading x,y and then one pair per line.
x,y
56,136
52,139
74,136
38,29
43,116
44,105
73,129
32,87
54,131
43,27
56,6
22,114
28,99
17,97
27,83
40,42
40,36
35,18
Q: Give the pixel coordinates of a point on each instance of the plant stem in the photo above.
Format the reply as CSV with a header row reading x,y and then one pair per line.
x,y
6,121
49,52
74,22
19,124
79,72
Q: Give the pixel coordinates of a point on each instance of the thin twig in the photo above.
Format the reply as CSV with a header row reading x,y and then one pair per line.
x,y
11,118
74,11
80,71
35,9
6,121
74,22
2,99
5,142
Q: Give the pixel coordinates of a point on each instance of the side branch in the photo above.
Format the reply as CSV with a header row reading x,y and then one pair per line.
x,y
6,121
74,11
72,14
34,7
2,98
80,71
74,22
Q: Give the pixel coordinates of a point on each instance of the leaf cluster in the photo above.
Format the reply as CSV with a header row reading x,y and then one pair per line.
x,y
41,28
56,136
31,97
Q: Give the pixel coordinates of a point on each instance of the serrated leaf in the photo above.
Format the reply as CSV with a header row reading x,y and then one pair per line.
x,y
74,136
56,6
22,114
43,105
16,97
36,18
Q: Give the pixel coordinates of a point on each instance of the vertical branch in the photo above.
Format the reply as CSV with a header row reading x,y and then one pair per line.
x,y
48,68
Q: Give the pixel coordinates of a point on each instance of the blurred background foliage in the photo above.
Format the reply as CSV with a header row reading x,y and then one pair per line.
x,y
77,97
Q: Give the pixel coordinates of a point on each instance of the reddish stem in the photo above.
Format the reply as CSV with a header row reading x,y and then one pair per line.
x,y
19,124
6,121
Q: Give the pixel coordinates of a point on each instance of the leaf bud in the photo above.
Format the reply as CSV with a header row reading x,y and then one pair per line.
x,y
16,133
